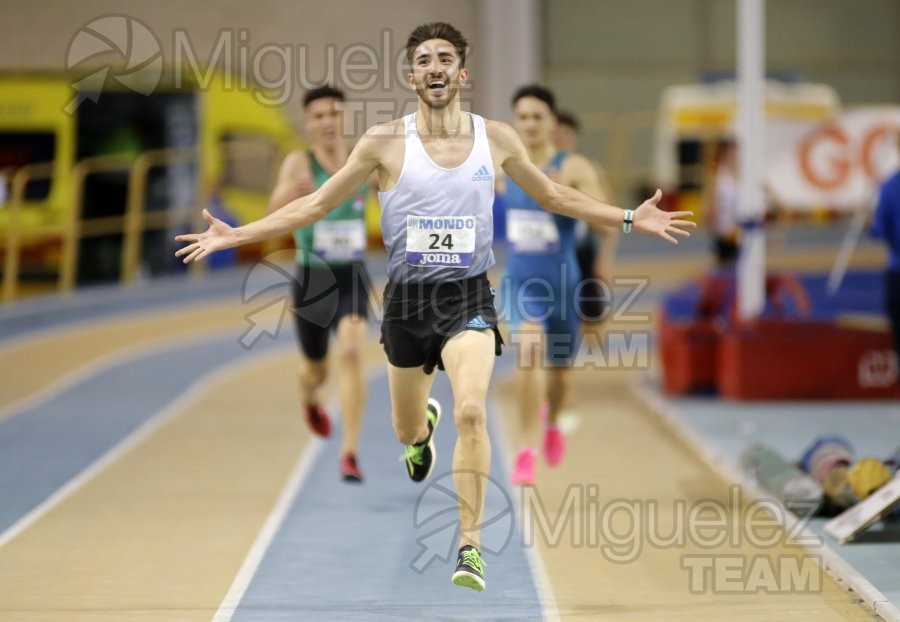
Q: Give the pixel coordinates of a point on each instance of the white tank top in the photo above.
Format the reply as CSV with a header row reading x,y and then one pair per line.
x,y
438,222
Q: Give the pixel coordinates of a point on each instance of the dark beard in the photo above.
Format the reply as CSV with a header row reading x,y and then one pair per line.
x,y
421,90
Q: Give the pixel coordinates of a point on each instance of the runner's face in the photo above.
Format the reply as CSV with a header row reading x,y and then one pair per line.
x,y
436,74
324,120
534,121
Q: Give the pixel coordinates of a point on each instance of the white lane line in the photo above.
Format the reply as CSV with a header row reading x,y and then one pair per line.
x,y
546,595
110,361
176,407
276,518
270,528
67,326
292,488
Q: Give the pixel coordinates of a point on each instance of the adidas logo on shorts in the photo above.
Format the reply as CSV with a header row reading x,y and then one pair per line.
x,y
482,174
477,322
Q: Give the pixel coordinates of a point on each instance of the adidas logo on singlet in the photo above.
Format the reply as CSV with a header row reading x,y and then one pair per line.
x,y
482,174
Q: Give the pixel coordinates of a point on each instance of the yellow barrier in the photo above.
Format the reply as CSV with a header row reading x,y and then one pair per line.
x,y
13,244
136,220
133,222
75,228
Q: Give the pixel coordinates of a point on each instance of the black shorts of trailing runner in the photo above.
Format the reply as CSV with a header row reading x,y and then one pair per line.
x,y
419,318
323,296
593,297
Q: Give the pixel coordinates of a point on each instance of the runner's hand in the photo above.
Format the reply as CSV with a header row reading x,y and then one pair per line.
x,y
648,218
218,236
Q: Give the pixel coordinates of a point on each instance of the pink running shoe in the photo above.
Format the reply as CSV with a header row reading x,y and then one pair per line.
x,y
554,445
523,473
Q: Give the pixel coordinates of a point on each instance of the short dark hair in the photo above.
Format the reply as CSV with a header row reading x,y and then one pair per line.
x,y
568,118
538,92
437,30
321,93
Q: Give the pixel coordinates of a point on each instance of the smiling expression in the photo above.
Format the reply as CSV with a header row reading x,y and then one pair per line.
x,y
436,73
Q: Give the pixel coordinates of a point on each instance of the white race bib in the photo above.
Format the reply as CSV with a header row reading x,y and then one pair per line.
x,y
531,231
339,240
440,240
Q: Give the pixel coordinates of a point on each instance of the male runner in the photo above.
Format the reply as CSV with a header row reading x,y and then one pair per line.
x,y
332,248
435,168
543,280
595,256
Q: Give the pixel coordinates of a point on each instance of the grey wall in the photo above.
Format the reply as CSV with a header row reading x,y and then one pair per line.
x,y
36,34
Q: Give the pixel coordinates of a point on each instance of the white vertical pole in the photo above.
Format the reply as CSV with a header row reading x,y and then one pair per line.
x,y
506,53
751,148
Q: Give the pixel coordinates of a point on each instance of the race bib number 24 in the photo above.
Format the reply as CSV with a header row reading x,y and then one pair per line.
x,y
440,240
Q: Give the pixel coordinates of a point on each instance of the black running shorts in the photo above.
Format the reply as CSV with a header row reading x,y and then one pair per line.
x,y
593,297
419,318
323,296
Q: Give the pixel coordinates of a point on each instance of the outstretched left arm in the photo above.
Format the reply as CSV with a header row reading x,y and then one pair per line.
x,y
510,153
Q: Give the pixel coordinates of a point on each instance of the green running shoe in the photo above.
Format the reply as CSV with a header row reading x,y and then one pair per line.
x,y
469,568
420,457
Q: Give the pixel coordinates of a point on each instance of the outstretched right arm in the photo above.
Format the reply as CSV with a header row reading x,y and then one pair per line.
x,y
300,212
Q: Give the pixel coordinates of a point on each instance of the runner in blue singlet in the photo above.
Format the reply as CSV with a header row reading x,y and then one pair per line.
x,y
543,281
